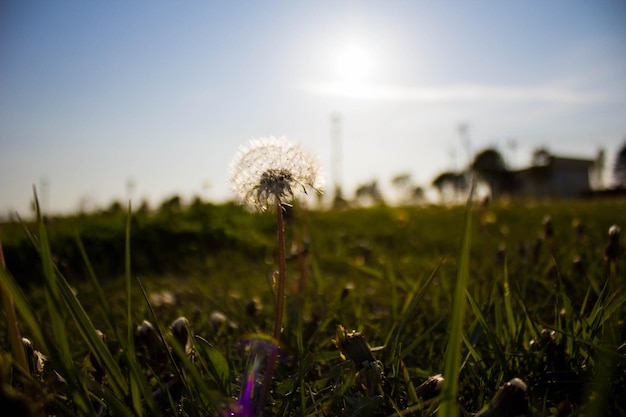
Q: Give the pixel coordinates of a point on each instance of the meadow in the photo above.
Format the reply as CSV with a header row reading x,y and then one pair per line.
x,y
390,311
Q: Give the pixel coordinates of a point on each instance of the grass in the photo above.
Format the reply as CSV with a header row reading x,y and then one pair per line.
x,y
481,295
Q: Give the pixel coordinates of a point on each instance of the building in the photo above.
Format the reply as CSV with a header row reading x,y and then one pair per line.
x,y
558,177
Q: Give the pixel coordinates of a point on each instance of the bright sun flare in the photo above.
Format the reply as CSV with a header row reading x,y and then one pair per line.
x,y
353,63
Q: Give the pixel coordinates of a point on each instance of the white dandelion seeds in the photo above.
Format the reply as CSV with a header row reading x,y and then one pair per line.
x,y
272,171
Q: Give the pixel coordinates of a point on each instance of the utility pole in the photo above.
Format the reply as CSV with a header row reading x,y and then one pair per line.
x,y
464,134
336,156
130,190
463,129
512,146
44,202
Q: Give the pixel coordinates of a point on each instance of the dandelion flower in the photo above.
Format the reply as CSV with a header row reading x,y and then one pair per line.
x,y
273,171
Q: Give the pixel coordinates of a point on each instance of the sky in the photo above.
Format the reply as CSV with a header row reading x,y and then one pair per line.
x,y
118,100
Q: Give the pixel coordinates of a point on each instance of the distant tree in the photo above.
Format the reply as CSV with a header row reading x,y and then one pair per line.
x,y
490,167
450,183
401,180
417,195
196,201
170,209
489,160
442,180
339,202
144,207
541,157
172,204
85,205
369,193
115,208
540,166
619,169
597,170
402,183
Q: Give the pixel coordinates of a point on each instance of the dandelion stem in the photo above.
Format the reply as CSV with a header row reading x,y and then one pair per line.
x,y
280,306
282,268
267,381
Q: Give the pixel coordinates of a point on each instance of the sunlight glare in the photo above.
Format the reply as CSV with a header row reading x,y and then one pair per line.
x,y
353,63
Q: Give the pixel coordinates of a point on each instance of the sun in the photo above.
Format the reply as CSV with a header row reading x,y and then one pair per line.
x,y
353,63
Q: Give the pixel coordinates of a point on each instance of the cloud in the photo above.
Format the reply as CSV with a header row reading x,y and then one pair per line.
x,y
453,93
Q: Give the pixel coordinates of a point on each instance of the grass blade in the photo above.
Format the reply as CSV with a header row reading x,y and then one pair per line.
x,y
487,331
452,359
13,328
135,376
508,308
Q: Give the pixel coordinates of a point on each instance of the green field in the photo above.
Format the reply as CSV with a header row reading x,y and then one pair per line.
x,y
538,300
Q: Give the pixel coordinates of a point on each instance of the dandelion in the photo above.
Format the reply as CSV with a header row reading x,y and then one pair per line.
x,y
271,172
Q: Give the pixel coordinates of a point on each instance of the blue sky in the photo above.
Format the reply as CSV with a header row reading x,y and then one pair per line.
x,y
162,93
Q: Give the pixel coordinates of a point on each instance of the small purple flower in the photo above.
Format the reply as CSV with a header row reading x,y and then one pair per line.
x,y
244,406
258,348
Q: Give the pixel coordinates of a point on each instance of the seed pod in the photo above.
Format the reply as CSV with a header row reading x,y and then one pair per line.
x,y
150,341
347,290
36,359
501,253
578,266
612,250
430,388
370,372
510,400
219,321
537,249
548,228
146,334
546,338
254,308
352,346
30,354
180,331
96,368
579,228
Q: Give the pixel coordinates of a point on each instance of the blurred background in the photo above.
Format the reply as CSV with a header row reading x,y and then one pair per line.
x,y
103,102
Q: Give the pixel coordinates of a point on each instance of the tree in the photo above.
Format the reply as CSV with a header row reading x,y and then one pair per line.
x,y
369,194
404,189
339,202
417,196
597,170
401,180
541,167
490,167
115,208
172,204
619,169
541,157
170,209
450,183
489,160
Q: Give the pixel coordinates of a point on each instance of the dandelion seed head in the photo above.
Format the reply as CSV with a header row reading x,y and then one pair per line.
x,y
272,171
